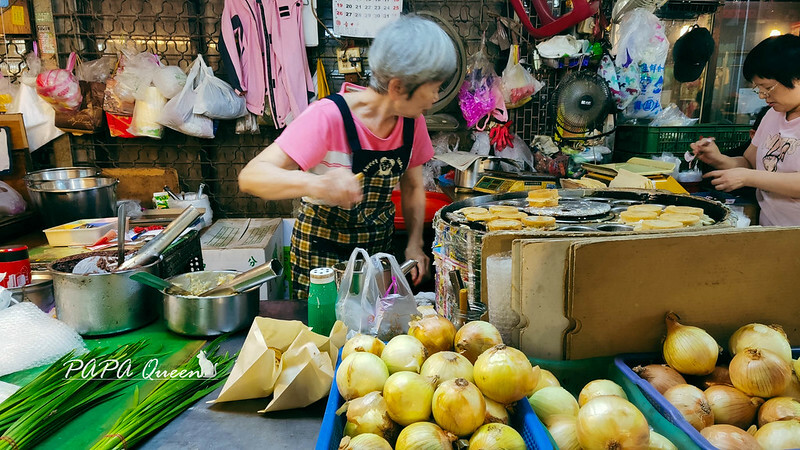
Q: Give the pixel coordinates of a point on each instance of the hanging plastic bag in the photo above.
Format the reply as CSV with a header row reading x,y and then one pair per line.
x,y
34,65
146,113
396,305
89,117
358,294
38,116
11,202
518,84
98,70
169,80
480,95
178,113
60,87
216,98
247,124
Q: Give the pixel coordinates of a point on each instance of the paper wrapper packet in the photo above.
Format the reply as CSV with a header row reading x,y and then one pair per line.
x,y
285,359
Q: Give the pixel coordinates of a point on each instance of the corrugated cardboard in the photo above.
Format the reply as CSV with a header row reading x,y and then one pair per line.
x,y
241,244
588,296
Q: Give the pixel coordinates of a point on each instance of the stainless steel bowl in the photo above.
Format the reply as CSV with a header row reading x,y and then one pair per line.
x,y
190,315
39,291
62,201
97,304
60,173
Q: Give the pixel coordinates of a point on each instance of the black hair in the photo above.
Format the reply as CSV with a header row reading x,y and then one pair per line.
x,y
775,58
759,116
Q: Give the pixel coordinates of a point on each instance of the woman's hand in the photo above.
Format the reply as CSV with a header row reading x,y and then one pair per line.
x,y
730,179
707,151
419,272
339,187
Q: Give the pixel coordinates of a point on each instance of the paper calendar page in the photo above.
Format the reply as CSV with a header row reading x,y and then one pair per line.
x,y
363,18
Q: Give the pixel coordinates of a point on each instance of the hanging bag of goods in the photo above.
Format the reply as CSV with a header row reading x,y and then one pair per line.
x,y
215,98
60,87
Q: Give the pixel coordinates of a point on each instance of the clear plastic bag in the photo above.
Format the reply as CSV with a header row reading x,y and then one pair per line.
x,y
480,95
215,98
518,84
178,113
97,70
169,80
38,116
60,87
248,124
146,113
672,116
7,93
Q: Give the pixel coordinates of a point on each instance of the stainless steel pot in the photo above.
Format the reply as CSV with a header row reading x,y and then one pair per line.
x,y
97,304
60,173
39,291
62,201
468,177
208,316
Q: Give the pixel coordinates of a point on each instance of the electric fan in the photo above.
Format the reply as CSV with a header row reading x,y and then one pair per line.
x,y
581,104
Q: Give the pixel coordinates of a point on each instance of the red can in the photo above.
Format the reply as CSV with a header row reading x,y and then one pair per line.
x,y
15,266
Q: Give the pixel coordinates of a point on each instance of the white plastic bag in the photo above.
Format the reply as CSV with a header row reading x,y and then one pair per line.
x,y
178,112
39,117
217,99
518,84
146,113
169,80
11,202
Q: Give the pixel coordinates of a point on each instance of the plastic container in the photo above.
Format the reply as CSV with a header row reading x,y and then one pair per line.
x,y
523,420
574,375
624,363
434,201
322,300
79,232
638,139
15,266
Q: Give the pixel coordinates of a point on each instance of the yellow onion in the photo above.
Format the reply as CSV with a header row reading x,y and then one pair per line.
x,y
495,412
546,378
425,435
660,376
692,404
796,367
447,366
359,374
596,388
496,435
504,374
553,401
793,389
760,372
476,337
659,442
404,353
729,437
435,332
564,431
732,406
689,350
459,407
720,375
368,414
756,335
611,422
780,434
778,408
364,441
408,397
362,343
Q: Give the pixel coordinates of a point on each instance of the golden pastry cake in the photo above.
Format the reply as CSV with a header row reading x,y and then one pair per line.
x,y
539,221
503,224
542,202
497,209
684,210
473,210
480,217
543,193
515,215
685,219
629,216
658,224
654,208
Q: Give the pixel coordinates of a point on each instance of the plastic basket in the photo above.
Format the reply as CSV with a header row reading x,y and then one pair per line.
x,y
523,420
574,375
639,139
624,364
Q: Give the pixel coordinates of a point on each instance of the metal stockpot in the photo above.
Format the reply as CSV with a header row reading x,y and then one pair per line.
x,y
208,316
39,291
63,201
107,303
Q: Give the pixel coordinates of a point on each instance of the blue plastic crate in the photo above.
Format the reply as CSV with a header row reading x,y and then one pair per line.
x,y
523,419
624,364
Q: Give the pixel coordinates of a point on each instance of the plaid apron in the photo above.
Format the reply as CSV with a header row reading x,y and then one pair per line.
x,y
325,235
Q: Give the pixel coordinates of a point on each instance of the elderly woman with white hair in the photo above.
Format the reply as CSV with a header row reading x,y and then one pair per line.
x,y
345,154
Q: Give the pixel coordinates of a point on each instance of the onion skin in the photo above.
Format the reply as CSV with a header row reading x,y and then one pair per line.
x,y
720,375
793,390
404,352
611,422
780,434
447,366
732,406
760,373
495,412
368,414
408,397
659,442
729,437
756,335
778,408
564,430
597,388
496,435
362,343
459,407
553,401
689,350
546,379
476,337
435,332
425,435
364,441
504,374
359,374
692,404
660,376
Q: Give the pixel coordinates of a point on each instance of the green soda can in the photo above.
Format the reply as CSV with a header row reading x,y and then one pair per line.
x,y
322,300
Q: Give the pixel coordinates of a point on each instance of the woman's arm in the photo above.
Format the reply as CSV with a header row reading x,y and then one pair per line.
x,y
412,194
779,183
708,152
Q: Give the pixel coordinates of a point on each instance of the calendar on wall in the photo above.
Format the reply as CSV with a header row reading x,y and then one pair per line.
x,y
363,18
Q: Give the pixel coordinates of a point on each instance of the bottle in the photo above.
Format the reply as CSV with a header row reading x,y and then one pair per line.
x,y
15,266
322,300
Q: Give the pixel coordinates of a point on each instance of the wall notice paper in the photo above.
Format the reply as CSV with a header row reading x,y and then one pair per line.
x,y
363,18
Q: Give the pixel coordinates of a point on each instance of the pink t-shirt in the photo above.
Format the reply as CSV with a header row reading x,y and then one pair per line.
x,y
778,142
317,142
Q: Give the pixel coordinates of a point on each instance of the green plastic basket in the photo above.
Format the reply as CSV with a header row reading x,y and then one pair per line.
x,y
639,139
574,375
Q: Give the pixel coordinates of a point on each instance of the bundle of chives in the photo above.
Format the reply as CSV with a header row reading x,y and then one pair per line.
x,y
35,414
171,397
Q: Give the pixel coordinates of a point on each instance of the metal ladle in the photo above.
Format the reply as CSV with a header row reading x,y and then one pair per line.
x,y
246,280
159,283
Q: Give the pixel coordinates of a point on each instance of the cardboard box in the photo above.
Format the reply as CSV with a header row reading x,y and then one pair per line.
x,y
593,296
241,244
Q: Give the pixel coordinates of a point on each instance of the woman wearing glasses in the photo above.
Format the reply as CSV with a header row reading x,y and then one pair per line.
x,y
771,163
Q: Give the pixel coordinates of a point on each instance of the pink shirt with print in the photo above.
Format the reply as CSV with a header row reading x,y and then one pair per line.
x,y
778,142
